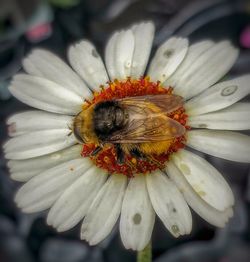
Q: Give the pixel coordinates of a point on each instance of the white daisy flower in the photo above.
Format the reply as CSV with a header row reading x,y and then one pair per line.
x,y
96,180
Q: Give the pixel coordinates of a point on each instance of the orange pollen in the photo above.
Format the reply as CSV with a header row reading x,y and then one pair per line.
x,y
107,157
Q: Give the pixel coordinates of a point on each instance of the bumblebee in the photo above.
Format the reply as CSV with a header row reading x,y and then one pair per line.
x,y
138,125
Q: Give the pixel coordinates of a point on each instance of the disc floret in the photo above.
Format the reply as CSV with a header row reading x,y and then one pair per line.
x,y
107,157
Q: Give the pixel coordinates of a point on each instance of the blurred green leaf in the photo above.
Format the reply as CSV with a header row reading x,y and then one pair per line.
x,y
64,3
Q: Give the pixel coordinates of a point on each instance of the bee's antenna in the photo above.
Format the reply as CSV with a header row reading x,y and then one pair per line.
x,y
70,133
70,127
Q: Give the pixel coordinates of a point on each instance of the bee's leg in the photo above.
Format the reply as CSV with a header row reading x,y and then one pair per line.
x,y
120,154
136,153
96,151
154,161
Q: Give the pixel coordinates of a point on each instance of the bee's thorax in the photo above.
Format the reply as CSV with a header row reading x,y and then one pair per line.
x,y
108,117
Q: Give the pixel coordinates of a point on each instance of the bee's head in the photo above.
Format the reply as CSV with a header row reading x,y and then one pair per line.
x,y
78,128
108,118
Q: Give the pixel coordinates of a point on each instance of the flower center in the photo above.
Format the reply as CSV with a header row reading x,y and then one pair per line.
x,y
159,152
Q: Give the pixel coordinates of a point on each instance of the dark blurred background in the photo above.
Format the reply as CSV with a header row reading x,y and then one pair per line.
x,y
55,24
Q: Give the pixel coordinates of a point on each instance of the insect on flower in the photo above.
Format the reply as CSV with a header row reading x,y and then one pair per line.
x,y
138,125
109,141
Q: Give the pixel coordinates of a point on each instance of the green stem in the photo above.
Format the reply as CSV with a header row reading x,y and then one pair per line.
x,y
146,254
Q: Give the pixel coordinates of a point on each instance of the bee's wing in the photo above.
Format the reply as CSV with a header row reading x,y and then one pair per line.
x,y
167,103
149,129
146,123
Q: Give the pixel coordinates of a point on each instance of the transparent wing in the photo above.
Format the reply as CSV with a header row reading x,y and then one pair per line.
x,y
148,120
144,130
167,103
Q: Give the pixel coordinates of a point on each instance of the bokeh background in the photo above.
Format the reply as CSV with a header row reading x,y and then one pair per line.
x,y
54,25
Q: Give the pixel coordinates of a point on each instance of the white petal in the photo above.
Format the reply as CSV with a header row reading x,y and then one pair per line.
x,y
30,121
42,191
144,35
209,67
205,180
235,117
167,58
194,51
210,214
38,143
119,54
224,144
219,96
104,211
169,204
49,66
88,64
23,170
74,203
45,94
137,215
110,54
23,176
124,53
